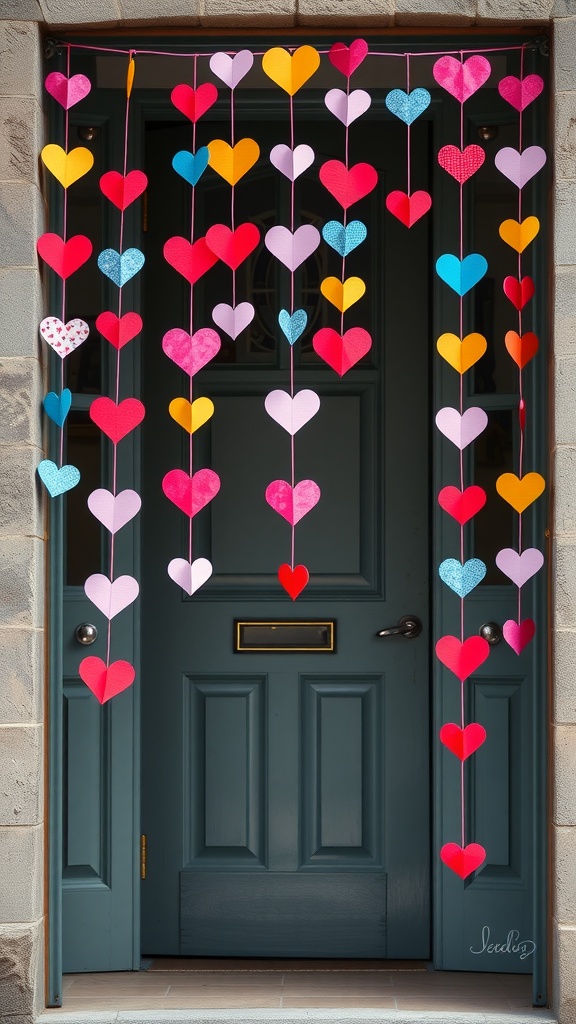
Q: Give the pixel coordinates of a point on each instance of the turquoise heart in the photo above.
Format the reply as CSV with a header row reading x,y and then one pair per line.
x,y
293,326
461,275
191,166
344,239
120,268
462,578
56,406
408,105
57,481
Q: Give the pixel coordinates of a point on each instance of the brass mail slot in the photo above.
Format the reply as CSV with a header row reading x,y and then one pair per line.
x,y
284,636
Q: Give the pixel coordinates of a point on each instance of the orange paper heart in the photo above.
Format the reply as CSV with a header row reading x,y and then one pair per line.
x,y
290,70
520,492
233,162
342,294
190,417
67,167
521,347
461,354
517,235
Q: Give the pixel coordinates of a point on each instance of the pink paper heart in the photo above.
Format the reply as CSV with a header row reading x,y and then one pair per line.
x,y
347,108
292,249
461,430
347,58
463,860
462,80
519,168
292,413
520,93
231,70
63,338
191,353
190,576
341,351
518,634
106,681
233,319
292,503
114,510
292,162
111,597
519,567
67,91
190,494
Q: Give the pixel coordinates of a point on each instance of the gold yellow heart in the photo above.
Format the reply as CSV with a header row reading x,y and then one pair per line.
x,y
67,167
461,354
519,235
233,162
191,417
290,70
342,294
520,492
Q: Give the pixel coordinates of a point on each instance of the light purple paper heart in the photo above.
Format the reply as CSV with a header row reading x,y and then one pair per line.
x,y
67,91
114,511
520,167
292,413
231,70
293,503
519,567
111,597
292,249
292,162
190,576
461,430
347,107
233,319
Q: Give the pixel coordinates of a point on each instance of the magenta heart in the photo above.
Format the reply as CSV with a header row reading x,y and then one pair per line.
x,y
347,107
520,93
111,597
461,430
292,413
231,70
292,249
461,80
233,319
114,510
190,494
348,58
292,162
67,91
190,576
292,502
518,634
519,567
520,167
191,353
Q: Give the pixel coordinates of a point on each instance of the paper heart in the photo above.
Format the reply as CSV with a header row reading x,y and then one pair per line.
x,y
461,80
120,267
233,319
191,166
519,168
341,352
519,235
519,93
522,414
292,413
342,294
520,492
67,91
344,238
114,510
461,164
192,260
521,348
233,162
462,742
111,597
347,58
462,658
290,70
462,578
191,416
190,494
123,190
408,105
462,505
106,682
191,353
292,503
347,107
64,258
63,338
231,70
518,291
116,421
408,209
57,481
519,567
67,167
232,247
293,580
56,406
193,103
461,429
518,634
463,860
292,162
292,248
461,275
292,325
190,576
348,186
461,354
118,330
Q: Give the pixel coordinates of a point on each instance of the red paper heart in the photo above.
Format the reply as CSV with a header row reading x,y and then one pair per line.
x,y
521,348
116,420
408,209
462,742
522,413
341,351
64,258
122,190
192,261
348,186
462,505
463,861
347,58
106,682
193,103
190,494
118,331
293,580
519,292
462,658
518,634
461,164
232,247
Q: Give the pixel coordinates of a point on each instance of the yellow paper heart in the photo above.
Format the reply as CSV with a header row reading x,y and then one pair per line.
x,y
342,294
520,492
232,163
290,70
461,354
191,417
517,235
67,167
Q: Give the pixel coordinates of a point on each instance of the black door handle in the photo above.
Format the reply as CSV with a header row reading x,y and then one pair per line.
x,y
408,626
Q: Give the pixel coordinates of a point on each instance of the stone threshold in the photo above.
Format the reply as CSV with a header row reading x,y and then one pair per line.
x,y
289,1016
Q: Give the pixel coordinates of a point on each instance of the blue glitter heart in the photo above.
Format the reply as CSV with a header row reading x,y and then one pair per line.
x,y
56,406
461,275
462,578
293,326
191,166
344,239
408,105
57,481
120,268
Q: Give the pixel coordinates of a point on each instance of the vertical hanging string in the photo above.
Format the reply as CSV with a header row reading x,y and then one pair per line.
x,y
232,211
521,410
292,272
461,455
191,314
408,138
64,237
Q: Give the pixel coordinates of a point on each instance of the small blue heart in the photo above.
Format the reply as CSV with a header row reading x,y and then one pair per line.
x,y
191,166
462,578
461,276
58,406
344,239
57,481
293,326
120,268
408,105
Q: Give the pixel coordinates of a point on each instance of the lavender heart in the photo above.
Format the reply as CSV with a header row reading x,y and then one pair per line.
x,y
111,597
190,576
347,108
519,567
292,162
461,430
231,70
114,510
292,413
233,319
519,168
292,249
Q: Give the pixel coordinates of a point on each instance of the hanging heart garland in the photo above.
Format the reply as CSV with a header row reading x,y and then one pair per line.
x,y
408,207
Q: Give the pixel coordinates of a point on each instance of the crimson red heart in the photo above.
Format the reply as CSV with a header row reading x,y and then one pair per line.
x,y
341,351
347,58
463,860
293,580
408,209
122,190
462,742
190,260
118,330
193,103
518,291
348,185
522,414
462,505
64,258
461,164
232,247
105,682
116,420
462,658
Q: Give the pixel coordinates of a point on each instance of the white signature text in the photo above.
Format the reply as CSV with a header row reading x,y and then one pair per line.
x,y
513,944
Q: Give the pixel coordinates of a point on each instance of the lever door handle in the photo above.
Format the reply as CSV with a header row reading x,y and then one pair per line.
x,y
408,626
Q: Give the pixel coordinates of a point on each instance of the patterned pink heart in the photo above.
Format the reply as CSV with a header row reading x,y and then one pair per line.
x,y
462,80
461,164
231,70
519,93
519,567
292,503
347,107
111,597
190,576
63,338
233,319
292,162
114,510
190,494
191,353
67,91
292,413
518,634
461,430
292,248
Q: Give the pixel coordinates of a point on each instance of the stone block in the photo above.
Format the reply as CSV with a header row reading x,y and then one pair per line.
x,y
565,311
20,504
22,660
178,12
565,491
564,610
19,135
564,749
435,12
563,8
21,769
79,12
565,54
565,676
492,11
565,874
564,975
249,13
20,66
20,10
20,969
20,217
564,406
21,290
21,392
21,878
21,581
565,222
565,133
346,12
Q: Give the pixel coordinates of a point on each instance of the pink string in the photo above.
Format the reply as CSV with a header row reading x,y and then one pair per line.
x,y
461,408
292,445
191,321
520,382
232,212
408,137
260,53
64,232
